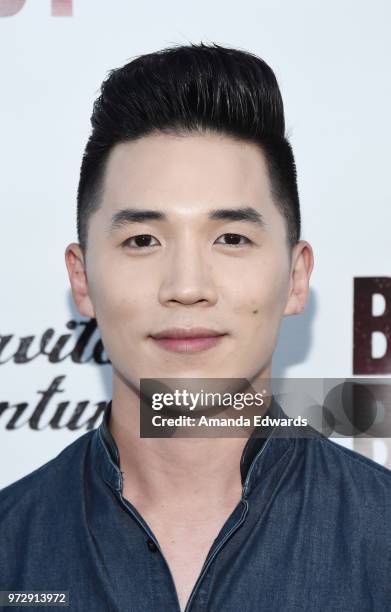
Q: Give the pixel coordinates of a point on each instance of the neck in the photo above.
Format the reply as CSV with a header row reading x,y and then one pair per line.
x,y
161,471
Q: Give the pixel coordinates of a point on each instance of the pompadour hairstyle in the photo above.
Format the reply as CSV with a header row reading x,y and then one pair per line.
x,y
184,89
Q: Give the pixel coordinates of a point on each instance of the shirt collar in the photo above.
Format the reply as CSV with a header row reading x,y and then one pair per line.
x,y
107,457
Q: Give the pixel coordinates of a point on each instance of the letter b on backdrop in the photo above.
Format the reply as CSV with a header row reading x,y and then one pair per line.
x,y
366,324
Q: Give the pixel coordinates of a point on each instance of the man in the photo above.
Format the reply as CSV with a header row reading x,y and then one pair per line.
x,y
189,256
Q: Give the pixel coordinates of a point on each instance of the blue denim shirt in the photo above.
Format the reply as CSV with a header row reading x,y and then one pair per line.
x,y
312,531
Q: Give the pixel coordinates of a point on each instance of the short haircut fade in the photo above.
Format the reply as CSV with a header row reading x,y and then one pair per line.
x,y
184,89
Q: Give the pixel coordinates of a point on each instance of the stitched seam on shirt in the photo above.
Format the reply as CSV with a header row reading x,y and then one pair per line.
x,y
220,546
290,448
105,449
274,493
110,459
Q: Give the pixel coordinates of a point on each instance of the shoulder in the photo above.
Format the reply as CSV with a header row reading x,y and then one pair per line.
x,y
344,471
352,459
49,482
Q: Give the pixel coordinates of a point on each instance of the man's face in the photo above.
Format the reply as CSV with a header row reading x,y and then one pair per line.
x,y
194,270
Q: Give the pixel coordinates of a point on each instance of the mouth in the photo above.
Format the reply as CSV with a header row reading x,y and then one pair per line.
x,y
194,340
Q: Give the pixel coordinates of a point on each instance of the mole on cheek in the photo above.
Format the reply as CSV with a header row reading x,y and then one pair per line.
x,y
255,311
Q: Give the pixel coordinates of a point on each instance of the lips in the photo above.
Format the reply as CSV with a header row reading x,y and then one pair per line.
x,y
182,340
181,333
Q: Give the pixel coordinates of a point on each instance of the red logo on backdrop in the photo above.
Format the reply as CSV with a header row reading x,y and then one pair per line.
x,y
365,324
60,8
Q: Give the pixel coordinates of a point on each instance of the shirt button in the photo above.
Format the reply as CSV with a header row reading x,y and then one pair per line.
x,y
151,545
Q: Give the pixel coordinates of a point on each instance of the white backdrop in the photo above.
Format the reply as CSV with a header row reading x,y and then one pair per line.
x,y
332,61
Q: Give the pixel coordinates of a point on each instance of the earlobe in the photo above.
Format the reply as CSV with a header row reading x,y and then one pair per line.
x,y
301,268
75,264
293,306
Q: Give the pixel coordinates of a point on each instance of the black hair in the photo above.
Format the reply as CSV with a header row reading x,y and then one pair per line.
x,y
191,88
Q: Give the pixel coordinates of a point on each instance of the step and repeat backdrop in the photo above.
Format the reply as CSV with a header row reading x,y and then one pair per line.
x,y
332,61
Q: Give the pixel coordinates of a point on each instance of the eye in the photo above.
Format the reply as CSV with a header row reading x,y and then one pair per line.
x,y
141,241
233,240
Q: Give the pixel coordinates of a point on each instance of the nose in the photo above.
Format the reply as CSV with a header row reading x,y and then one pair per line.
x,y
187,275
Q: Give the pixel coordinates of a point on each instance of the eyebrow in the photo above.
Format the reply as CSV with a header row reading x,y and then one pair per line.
x,y
136,215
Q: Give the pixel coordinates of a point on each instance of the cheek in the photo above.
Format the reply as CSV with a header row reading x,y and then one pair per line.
x,y
118,306
264,293
271,301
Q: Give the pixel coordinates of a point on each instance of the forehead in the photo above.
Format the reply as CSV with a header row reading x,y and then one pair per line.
x,y
172,172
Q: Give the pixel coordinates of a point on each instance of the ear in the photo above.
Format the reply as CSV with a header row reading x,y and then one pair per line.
x,y
74,260
302,263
